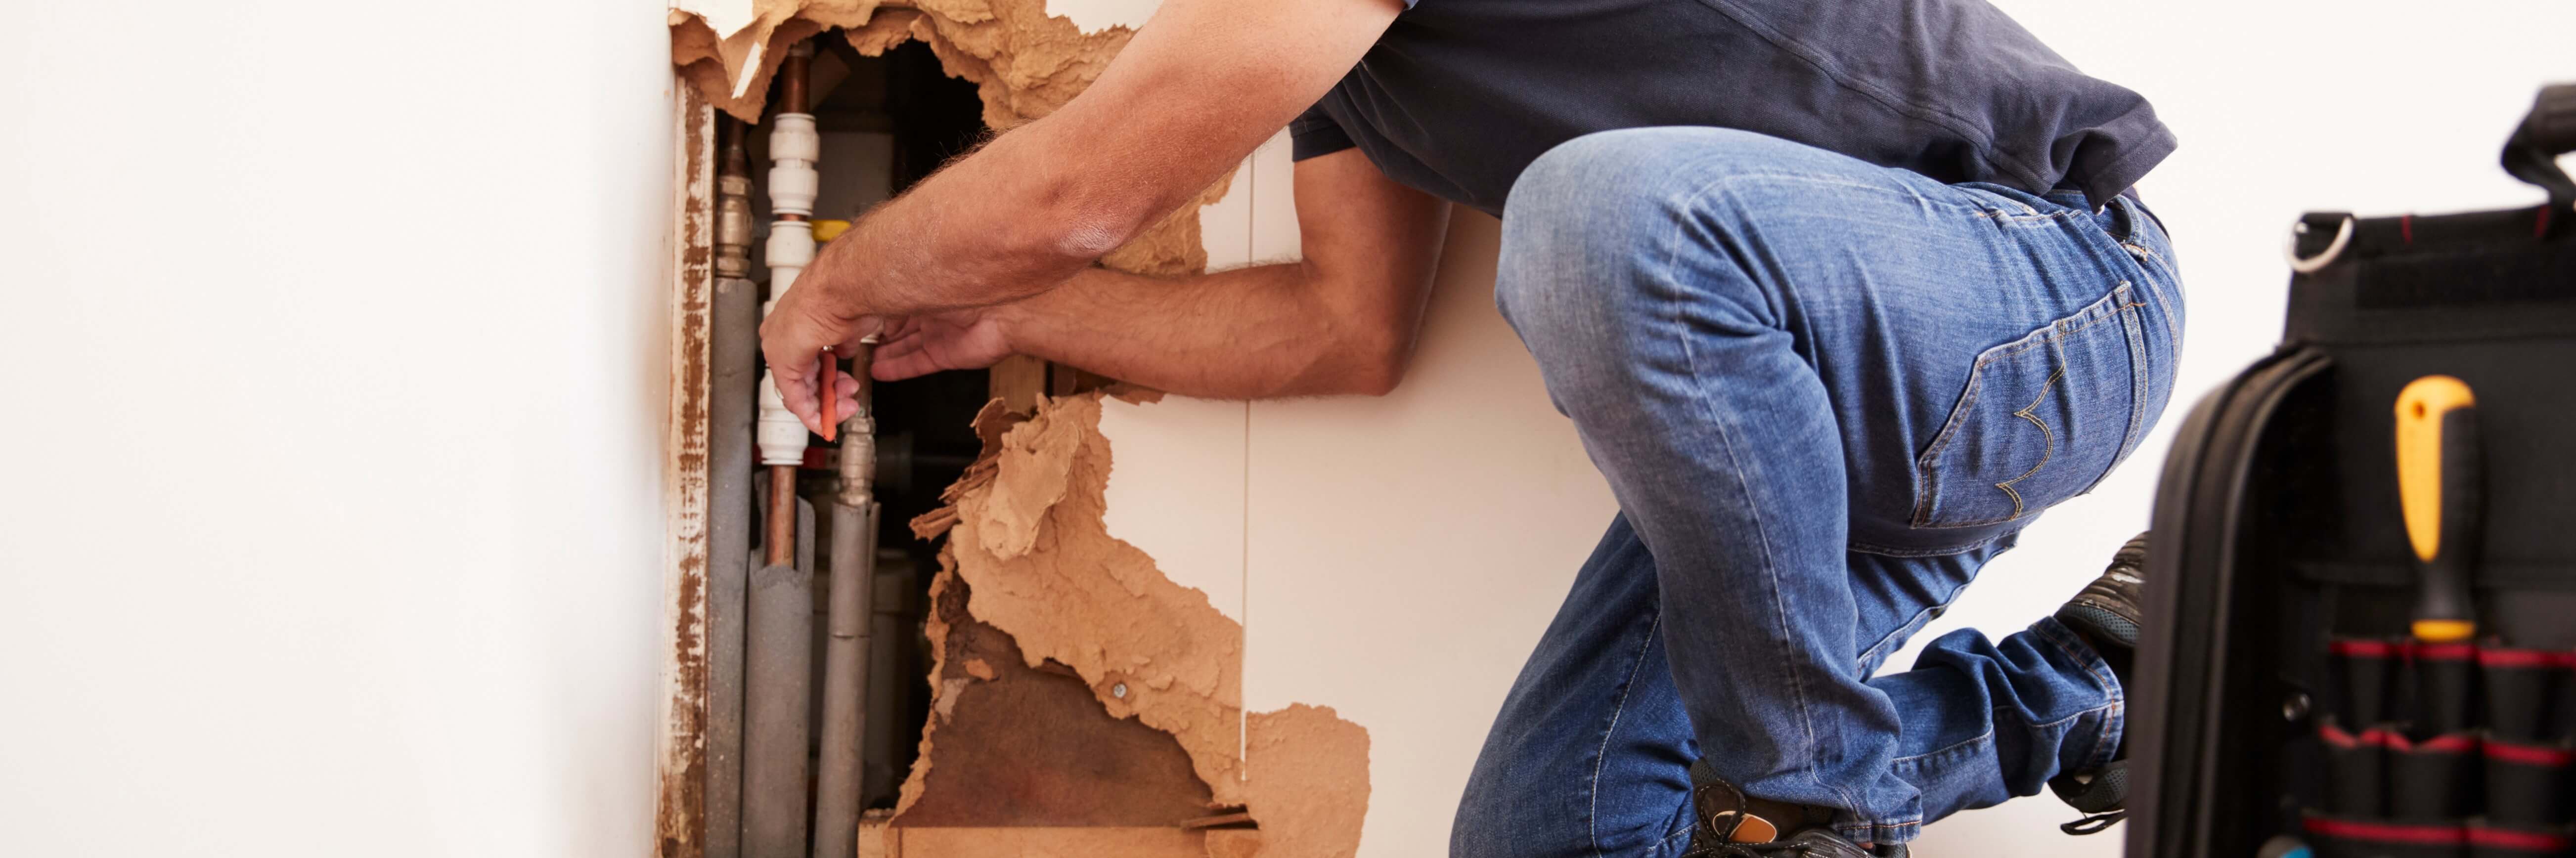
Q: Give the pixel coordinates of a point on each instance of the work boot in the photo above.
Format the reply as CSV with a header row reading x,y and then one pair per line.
x,y
1734,825
2107,613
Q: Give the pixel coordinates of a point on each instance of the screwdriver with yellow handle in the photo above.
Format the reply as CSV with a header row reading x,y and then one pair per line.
x,y
2439,482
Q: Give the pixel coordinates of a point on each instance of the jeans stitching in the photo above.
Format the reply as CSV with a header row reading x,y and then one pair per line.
x,y
1885,551
2115,303
1797,683
2119,306
1989,735
2048,449
2139,384
1668,838
1980,739
1600,757
2164,267
2100,670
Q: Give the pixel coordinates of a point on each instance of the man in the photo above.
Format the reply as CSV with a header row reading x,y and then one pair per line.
x,y
1840,294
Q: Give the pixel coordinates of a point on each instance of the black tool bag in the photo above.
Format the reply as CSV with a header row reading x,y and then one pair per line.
x,y
2288,691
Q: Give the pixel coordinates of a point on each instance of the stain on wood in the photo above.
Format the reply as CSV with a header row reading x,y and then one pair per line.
x,y
681,794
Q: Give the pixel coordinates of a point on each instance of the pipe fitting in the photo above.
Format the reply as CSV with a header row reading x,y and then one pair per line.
x,y
790,249
781,436
794,147
733,226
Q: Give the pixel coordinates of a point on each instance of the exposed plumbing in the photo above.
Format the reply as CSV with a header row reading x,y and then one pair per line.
x,y
794,147
779,657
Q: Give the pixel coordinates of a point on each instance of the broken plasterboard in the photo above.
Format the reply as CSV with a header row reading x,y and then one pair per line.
x,y
1024,62
1025,537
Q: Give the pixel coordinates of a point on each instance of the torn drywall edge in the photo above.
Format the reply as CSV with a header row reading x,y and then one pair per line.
x,y
1027,62
1024,62
1027,538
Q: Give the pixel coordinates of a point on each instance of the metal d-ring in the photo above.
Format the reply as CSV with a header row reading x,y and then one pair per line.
x,y
2314,264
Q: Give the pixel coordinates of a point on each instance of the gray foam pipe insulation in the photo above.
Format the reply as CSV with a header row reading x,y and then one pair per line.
x,y
736,348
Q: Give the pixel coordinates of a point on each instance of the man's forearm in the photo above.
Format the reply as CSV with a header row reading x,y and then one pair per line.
x,y
1250,333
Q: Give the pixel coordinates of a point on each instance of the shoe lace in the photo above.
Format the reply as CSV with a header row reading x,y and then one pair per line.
x,y
2094,823
1793,848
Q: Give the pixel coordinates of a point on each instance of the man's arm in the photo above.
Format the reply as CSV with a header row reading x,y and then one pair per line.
x,y
1341,320
1201,85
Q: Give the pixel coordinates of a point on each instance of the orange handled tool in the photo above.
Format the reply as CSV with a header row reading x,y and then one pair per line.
x,y
830,388
2440,482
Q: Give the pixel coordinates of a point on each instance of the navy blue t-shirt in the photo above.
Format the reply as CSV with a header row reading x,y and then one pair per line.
x,y
1460,95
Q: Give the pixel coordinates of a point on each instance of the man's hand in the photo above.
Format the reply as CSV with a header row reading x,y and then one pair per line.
x,y
921,345
793,337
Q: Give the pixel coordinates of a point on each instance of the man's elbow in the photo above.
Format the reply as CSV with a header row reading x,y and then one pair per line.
x,y
1083,218
1377,362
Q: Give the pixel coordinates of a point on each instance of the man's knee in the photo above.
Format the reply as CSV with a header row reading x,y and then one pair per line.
x,y
1594,217
1570,227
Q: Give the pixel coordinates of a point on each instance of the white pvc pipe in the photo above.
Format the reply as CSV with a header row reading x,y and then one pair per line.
x,y
793,147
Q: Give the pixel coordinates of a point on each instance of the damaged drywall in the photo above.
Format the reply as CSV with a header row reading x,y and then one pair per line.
x,y
1042,621
1026,541
1024,62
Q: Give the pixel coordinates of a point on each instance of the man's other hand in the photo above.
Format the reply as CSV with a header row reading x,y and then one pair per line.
x,y
921,345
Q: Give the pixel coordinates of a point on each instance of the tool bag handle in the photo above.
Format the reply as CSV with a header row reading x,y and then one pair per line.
x,y
2546,133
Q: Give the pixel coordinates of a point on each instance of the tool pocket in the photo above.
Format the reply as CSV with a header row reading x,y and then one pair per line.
x,y
2343,837
2488,839
2356,773
2530,785
2439,688
2043,418
2365,670
2436,778
2527,694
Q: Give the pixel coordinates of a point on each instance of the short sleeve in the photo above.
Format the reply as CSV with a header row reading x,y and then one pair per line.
x,y
1315,133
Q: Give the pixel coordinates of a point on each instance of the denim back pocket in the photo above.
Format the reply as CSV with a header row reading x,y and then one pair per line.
x,y
2043,419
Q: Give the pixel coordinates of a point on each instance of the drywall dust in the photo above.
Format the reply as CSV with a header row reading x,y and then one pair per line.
x,y
1027,540
1024,63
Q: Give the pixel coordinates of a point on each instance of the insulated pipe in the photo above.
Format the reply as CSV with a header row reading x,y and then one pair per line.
x,y
779,659
735,353
776,718
845,656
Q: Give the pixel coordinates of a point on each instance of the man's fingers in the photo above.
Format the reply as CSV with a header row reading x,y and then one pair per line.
x,y
911,365
866,327
792,339
798,394
901,345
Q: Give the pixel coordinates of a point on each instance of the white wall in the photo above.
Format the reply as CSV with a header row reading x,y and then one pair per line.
x,y
1400,556
333,379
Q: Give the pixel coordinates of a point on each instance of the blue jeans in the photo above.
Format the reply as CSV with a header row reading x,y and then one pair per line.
x,y
1825,393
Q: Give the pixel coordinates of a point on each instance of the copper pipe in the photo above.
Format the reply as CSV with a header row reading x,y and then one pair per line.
x,y
792,74
782,515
